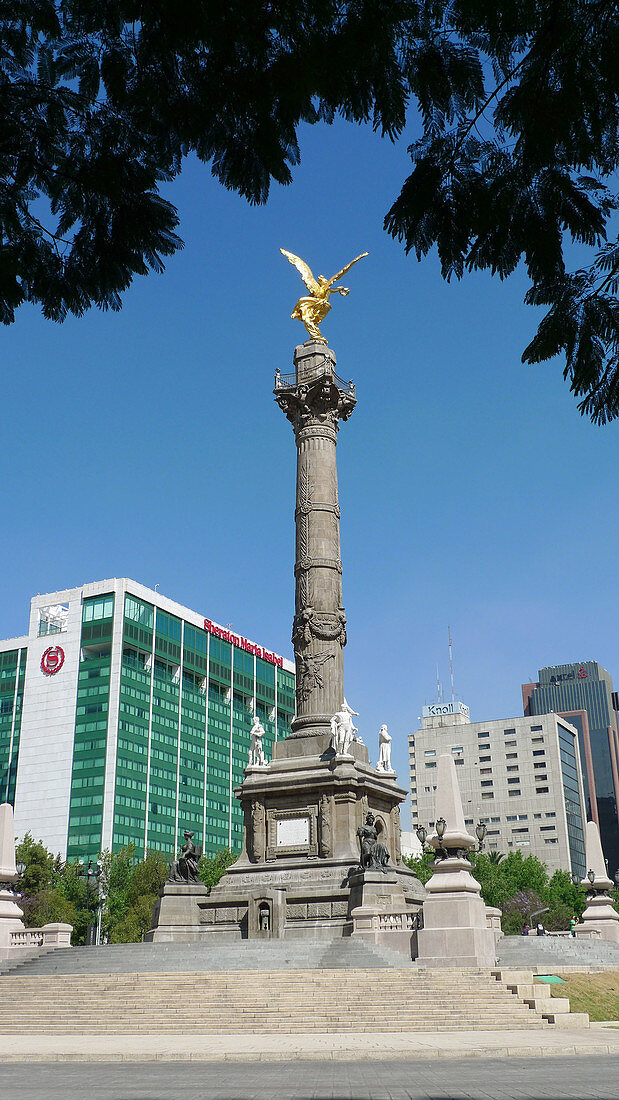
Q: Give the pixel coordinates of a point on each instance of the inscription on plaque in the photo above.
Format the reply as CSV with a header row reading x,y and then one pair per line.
x,y
293,831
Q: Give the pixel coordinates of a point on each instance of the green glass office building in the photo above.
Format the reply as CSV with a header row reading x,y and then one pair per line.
x,y
126,720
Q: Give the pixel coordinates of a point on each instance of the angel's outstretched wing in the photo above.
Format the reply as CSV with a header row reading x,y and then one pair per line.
x,y
303,269
339,275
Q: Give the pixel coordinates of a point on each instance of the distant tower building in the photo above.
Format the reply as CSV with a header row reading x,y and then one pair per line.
x,y
583,693
521,778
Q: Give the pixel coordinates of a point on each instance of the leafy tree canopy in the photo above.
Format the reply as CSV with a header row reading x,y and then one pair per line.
x,y
126,890
518,885
515,107
212,868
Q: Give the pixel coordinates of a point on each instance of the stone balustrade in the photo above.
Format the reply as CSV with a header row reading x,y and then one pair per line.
x,y
49,936
396,922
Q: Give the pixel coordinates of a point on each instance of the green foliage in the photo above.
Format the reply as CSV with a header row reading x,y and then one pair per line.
x,y
515,150
41,866
131,887
214,868
423,866
53,891
43,898
518,885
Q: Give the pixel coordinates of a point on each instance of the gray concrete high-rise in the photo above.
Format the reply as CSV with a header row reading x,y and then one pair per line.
x,y
583,693
521,777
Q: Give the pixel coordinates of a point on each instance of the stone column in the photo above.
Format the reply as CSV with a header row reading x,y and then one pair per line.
x,y
314,400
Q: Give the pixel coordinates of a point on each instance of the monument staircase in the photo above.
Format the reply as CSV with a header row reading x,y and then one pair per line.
x,y
546,953
262,988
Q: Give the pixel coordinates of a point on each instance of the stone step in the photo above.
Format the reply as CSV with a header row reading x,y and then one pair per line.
x,y
420,1026
546,951
548,1004
280,1007
233,978
239,955
249,1003
537,990
280,998
128,981
567,1019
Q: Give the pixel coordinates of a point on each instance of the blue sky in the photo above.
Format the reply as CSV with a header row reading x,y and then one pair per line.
x,y
147,444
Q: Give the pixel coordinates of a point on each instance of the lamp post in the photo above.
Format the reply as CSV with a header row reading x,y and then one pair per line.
x,y
90,872
480,832
422,835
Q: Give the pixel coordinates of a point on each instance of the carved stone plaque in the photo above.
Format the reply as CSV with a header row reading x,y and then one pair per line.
x,y
293,832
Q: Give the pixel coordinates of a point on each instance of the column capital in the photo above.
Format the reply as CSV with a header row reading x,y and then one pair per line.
x,y
314,397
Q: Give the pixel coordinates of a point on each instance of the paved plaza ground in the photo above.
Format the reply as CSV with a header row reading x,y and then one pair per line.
x,y
588,1078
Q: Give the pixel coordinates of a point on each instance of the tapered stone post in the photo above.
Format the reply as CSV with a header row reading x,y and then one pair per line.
x,y
10,912
600,915
455,921
314,400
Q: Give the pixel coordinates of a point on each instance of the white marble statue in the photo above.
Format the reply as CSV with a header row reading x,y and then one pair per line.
x,y
343,731
256,752
384,750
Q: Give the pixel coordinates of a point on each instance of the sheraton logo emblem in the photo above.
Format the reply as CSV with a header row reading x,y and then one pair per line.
x,y
52,660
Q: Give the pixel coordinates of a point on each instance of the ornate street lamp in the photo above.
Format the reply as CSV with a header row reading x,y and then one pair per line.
x,y
480,832
441,825
576,879
90,872
591,876
422,835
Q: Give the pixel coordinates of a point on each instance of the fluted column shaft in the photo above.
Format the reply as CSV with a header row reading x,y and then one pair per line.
x,y
314,401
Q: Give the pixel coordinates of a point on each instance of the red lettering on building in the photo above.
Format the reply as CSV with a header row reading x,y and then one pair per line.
x,y
243,643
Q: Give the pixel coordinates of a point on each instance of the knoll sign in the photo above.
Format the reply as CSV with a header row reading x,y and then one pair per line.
x,y
436,709
243,643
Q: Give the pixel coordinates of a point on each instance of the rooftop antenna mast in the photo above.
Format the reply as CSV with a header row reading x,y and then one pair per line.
x,y
439,690
451,666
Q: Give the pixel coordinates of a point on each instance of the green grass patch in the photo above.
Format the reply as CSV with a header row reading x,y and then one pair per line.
x,y
597,994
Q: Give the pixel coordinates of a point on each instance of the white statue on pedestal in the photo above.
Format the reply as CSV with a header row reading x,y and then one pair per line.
x,y
256,752
384,750
343,732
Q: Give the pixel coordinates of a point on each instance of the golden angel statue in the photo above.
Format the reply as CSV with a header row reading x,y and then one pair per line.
x,y
313,308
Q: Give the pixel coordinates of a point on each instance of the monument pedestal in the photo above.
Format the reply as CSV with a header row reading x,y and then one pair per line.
x,y
600,915
378,890
299,864
455,926
380,912
10,920
455,920
177,912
